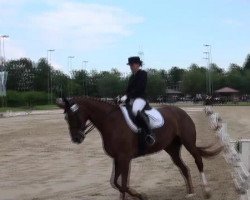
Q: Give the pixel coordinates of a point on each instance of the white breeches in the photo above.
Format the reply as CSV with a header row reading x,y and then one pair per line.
x,y
138,105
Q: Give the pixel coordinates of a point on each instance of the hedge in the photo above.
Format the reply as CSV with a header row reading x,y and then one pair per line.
x,y
31,98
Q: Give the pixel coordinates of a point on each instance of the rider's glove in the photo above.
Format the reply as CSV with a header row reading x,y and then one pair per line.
x,y
123,98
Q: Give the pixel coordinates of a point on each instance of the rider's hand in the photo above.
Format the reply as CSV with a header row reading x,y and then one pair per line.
x,y
123,98
118,99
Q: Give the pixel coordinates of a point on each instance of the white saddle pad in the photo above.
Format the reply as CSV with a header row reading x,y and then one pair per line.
x,y
155,118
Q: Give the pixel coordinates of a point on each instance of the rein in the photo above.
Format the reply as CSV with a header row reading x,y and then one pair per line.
x,y
90,126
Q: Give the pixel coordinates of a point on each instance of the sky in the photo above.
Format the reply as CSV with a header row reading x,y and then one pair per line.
x,y
106,32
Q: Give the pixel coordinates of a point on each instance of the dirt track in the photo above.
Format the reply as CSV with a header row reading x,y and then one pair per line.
x,y
237,119
38,162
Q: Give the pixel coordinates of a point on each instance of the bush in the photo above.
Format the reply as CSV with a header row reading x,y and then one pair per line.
x,y
15,98
31,98
35,98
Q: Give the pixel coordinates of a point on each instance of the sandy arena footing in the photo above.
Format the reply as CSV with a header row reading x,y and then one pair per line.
x,y
39,162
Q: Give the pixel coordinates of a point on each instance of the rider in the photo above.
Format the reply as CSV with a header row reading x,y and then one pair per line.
x,y
136,97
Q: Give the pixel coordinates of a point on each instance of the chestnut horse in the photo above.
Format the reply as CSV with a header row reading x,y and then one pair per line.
x,y
121,143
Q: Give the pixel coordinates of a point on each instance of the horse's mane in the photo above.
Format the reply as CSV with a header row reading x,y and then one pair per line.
x,y
82,98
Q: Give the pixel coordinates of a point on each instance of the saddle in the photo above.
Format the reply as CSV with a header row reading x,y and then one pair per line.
x,y
155,118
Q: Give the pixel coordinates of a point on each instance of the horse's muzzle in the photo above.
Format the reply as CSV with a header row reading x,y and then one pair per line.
x,y
79,139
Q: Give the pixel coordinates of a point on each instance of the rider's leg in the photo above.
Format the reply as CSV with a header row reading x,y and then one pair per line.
x,y
143,118
137,110
138,105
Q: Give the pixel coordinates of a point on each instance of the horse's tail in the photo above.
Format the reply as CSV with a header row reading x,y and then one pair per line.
x,y
206,153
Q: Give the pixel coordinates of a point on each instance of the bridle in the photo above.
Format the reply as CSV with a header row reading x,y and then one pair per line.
x,y
85,129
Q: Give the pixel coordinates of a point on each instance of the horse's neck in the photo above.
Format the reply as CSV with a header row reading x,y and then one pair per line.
x,y
98,112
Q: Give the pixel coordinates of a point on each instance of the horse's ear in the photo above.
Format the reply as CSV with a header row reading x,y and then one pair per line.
x,y
66,102
60,103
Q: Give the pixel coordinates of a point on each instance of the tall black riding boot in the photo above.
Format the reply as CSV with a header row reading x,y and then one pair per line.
x,y
144,121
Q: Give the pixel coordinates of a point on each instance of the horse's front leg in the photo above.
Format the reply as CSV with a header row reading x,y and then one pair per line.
x,y
124,167
116,172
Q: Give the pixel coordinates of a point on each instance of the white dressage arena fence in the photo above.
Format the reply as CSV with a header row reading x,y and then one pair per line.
x,y
236,153
9,113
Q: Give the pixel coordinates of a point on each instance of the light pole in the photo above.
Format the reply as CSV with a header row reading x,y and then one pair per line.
x,y
209,75
141,54
70,61
0,51
49,51
3,50
70,67
84,77
207,83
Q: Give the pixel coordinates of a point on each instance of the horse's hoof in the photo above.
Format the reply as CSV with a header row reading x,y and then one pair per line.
x,y
207,192
189,196
143,197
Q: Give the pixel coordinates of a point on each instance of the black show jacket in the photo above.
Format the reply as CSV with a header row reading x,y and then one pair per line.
x,y
137,85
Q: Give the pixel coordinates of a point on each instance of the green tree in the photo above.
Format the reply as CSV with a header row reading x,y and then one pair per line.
x,y
80,77
194,80
156,84
235,68
217,76
93,83
42,75
175,75
234,77
110,84
60,83
21,74
164,75
247,82
247,63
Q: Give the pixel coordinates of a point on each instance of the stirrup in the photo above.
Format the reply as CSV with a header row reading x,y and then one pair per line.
x,y
150,140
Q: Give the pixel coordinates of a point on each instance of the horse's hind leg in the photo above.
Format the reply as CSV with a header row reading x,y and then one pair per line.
x,y
174,152
198,160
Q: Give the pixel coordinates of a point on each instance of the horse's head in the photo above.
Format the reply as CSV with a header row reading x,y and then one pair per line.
x,y
75,117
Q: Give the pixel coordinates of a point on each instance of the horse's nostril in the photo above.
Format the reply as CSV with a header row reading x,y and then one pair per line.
x,y
77,140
